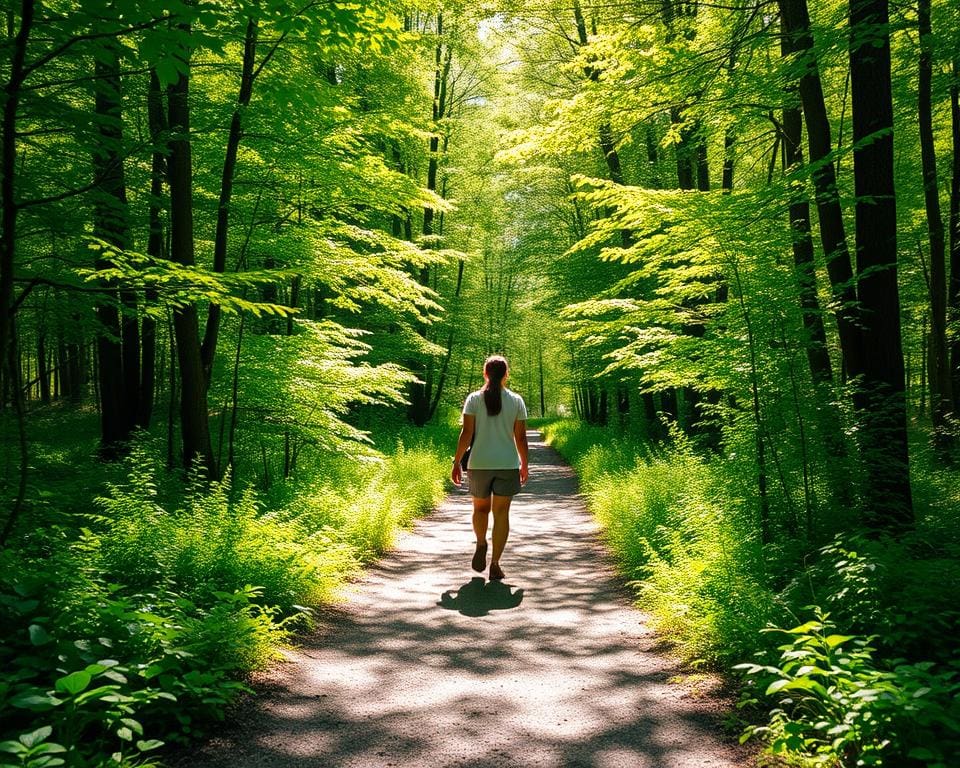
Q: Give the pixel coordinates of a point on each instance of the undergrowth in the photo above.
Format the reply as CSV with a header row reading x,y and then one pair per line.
x,y
870,672
132,623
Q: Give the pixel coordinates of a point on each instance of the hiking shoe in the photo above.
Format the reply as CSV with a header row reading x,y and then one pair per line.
x,y
496,572
479,562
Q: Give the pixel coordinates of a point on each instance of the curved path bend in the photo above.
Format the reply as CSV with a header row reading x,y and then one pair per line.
x,y
430,665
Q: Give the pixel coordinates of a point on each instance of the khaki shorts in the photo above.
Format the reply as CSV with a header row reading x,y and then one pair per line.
x,y
499,482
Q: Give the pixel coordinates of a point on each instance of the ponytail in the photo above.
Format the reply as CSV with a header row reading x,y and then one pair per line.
x,y
496,370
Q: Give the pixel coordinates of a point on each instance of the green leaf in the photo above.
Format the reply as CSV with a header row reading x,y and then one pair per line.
x,y
38,635
133,725
12,747
146,746
125,733
775,686
73,683
833,641
30,740
36,702
49,749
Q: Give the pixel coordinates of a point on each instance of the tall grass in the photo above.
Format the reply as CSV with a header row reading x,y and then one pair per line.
x,y
870,673
678,537
144,620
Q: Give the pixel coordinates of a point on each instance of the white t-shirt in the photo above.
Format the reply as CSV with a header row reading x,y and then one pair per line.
x,y
493,443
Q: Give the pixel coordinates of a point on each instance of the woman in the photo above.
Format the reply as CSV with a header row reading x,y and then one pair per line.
x,y
495,423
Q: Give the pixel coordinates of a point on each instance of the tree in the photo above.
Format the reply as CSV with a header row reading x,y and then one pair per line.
x,y
880,392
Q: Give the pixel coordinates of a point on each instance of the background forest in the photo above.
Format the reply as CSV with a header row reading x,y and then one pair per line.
x,y
253,255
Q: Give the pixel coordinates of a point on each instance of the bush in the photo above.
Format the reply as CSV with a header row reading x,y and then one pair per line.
x,y
682,542
137,630
683,533
839,705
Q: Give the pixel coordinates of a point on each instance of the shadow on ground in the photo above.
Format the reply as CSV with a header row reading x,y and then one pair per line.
x,y
398,678
478,597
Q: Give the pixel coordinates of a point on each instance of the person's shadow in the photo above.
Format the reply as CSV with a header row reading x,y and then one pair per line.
x,y
478,597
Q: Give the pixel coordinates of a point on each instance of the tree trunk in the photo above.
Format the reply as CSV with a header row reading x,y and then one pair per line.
x,y
818,356
441,76
8,169
543,401
118,343
796,26
194,415
43,371
941,399
955,235
209,346
729,142
148,339
881,391
421,399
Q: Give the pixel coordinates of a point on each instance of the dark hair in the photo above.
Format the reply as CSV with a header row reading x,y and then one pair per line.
x,y
496,370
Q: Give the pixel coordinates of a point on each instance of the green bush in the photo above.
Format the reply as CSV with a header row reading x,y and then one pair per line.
x,y
838,704
138,629
684,533
108,674
677,537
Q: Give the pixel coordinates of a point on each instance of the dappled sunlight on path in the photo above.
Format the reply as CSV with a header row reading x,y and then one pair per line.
x,y
430,665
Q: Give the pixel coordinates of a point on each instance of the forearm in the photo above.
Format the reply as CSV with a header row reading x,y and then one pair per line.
x,y
462,444
521,441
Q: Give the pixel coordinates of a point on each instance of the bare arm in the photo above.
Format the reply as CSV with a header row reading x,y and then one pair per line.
x,y
466,437
520,438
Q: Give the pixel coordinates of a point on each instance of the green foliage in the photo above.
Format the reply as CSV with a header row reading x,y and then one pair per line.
x,y
683,543
138,630
881,691
840,705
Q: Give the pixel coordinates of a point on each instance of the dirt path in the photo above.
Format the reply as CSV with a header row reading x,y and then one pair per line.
x,y
430,665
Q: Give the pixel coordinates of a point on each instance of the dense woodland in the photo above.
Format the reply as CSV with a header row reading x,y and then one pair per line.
x,y
254,253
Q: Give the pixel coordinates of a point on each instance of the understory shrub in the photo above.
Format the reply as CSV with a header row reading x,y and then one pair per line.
x,y
871,680
137,629
838,703
677,538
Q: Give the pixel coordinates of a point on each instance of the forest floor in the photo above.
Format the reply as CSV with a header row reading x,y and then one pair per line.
x,y
428,664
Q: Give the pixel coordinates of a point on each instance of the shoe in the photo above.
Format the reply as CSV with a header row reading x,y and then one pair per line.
x,y
479,562
496,572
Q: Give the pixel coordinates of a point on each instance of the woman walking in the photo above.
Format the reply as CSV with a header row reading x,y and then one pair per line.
x,y
495,423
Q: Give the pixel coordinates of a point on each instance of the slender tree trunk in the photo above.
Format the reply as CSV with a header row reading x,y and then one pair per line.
x,y
703,167
172,404
941,399
543,400
955,235
884,423
155,247
8,170
685,153
796,26
16,397
818,356
209,346
442,65
43,371
766,534
194,415
729,142
421,393
118,343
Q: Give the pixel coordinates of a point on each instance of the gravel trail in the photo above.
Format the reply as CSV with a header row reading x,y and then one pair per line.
x,y
428,664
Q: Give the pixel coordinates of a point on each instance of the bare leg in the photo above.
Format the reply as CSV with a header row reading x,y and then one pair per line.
x,y
501,530
481,516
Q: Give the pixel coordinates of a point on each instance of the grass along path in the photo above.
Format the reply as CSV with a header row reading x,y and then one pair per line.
x,y
429,665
